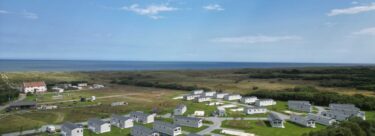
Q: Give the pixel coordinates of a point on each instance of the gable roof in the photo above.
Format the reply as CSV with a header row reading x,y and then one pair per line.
x,y
70,125
96,121
34,84
22,103
274,116
143,129
165,124
121,118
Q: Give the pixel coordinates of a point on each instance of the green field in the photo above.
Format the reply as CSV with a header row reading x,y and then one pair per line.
x,y
263,128
159,99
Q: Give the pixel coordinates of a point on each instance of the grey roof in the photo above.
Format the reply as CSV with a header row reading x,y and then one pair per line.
x,y
97,121
255,108
181,106
143,129
187,118
138,113
23,103
342,105
166,124
119,117
70,125
315,116
274,116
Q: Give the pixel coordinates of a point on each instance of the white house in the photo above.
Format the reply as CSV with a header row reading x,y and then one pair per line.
x,y
190,97
265,102
220,111
198,113
180,109
202,99
167,128
121,121
300,106
347,110
321,119
188,121
98,126
138,130
141,117
220,95
232,97
51,129
70,129
197,91
97,86
248,100
304,121
255,110
57,89
209,94
81,84
276,121
34,87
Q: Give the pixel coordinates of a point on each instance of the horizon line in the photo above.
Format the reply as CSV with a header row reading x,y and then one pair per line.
x,y
194,61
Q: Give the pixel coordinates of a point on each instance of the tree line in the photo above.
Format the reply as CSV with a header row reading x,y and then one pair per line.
x,y
317,97
6,92
362,78
174,86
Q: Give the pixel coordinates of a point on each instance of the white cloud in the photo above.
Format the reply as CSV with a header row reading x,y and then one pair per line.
x,y
366,31
30,15
255,39
355,2
215,7
4,12
25,14
352,10
151,11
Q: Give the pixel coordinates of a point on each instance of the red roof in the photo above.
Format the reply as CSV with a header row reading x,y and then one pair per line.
x,y
34,84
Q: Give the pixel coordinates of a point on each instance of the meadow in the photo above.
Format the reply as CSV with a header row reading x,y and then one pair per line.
x,y
161,87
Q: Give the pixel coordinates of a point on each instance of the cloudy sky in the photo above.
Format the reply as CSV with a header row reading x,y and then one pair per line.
x,y
340,31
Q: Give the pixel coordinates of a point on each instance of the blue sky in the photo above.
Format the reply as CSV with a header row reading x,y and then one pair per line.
x,y
341,31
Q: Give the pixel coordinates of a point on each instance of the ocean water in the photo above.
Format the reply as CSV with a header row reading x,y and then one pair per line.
x,y
70,65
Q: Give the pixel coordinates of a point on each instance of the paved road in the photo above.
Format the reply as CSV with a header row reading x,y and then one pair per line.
x,y
20,98
217,123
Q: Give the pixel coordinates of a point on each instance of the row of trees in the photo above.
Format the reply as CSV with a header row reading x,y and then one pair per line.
x,y
158,85
7,93
352,127
362,78
317,97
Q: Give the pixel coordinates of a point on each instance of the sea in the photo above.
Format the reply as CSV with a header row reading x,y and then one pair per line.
x,y
90,65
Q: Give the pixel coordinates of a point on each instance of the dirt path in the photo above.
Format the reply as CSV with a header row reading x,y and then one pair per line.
x,y
60,117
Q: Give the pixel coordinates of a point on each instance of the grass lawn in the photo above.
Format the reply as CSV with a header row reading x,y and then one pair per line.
x,y
16,123
207,122
217,131
370,115
240,114
280,106
263,128
193,106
